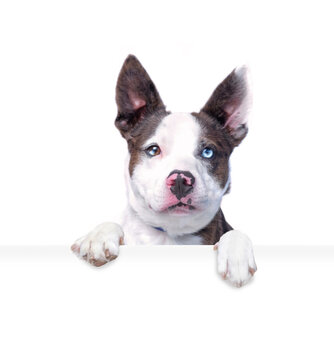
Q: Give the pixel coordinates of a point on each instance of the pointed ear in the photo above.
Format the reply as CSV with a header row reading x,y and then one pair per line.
x,y
229,104
136,96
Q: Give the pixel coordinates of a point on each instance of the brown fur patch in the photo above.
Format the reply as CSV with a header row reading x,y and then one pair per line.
x,y
139,135
215,136
217,227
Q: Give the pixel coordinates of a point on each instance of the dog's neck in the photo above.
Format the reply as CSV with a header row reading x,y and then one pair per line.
x,y
138,232
213,231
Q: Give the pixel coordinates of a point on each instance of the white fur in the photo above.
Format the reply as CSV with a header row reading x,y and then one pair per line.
x,y
235,257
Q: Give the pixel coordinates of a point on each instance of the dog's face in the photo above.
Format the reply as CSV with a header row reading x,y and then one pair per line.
x,y
178,166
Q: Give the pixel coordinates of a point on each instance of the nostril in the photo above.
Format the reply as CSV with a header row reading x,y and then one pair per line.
x,y
186,181
170,181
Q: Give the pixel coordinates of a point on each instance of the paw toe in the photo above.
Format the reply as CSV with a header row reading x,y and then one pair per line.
x,y
252,270
75,248
97,262
109,256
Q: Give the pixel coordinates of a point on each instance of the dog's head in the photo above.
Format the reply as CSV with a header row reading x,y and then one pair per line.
x,y
178,166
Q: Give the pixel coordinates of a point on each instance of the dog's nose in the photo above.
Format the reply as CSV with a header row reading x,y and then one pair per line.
x,y
180,183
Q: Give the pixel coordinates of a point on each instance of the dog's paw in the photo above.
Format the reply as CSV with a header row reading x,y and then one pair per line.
x,y
235,258
101,245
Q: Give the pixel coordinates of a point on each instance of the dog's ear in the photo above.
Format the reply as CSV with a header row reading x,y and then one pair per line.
x,y
229,104
136,96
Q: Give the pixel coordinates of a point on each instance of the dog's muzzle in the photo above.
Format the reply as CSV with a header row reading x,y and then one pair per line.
x,y
180,183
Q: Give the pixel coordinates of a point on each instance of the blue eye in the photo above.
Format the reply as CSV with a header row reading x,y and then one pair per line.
x,y
153,150
207,153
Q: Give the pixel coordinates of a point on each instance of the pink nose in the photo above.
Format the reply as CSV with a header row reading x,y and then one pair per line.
x,y
180,183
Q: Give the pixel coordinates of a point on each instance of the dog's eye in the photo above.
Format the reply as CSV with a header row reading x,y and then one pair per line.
x,y
207,153
153,150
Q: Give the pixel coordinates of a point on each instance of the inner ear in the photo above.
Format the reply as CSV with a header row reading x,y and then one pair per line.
x,y
229,104
136,96
136,101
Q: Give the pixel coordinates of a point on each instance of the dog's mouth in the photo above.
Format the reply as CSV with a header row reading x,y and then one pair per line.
x,y
182,205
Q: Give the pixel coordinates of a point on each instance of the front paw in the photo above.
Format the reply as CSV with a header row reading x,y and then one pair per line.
x,y
235,258
100,245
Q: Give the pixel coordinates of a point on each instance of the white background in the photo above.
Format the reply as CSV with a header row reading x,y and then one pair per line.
x,y
62,157
62,173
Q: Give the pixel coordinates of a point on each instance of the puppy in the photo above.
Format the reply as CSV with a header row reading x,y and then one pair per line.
x,y
177,173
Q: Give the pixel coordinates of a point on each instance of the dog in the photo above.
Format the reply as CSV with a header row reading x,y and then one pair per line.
x,y
177,173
